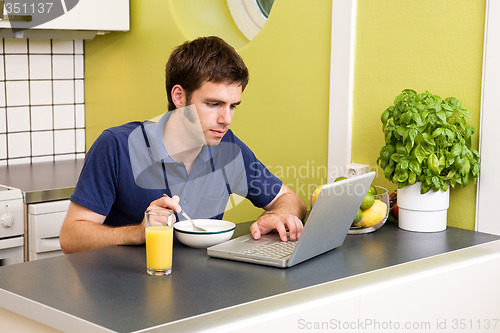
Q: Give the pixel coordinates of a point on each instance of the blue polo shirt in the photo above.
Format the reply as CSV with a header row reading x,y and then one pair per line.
x,y
128,167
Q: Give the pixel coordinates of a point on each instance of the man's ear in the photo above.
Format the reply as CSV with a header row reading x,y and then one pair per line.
x,y
178,96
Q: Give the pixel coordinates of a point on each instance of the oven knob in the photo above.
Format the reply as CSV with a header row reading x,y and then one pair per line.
x,y
7,220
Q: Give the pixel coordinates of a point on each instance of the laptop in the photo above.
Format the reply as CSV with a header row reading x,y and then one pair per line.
x,y
325,229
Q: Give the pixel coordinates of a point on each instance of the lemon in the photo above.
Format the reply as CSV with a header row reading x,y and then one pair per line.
x,y
367,201
358,217
315,194
373,215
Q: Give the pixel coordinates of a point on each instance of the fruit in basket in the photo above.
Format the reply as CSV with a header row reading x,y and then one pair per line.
x,y
315,194
372,190
358,217
373,215
367,201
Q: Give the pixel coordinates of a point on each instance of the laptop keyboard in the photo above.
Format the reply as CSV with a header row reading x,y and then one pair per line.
x,y
273,250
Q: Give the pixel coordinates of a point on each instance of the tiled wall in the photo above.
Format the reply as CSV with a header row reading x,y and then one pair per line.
x,y
42,111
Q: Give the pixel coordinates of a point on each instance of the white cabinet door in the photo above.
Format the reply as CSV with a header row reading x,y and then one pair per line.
x,y
96,15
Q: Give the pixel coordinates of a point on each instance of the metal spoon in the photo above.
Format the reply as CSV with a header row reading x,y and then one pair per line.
x,y
195,227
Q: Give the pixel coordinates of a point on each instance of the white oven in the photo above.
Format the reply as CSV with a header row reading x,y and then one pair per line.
x,y
44,225
11,226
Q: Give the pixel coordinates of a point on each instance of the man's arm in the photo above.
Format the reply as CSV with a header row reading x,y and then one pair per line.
x,y
283,213
83,229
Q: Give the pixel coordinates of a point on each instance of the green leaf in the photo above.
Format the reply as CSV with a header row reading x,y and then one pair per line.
x,y
415,167
400,131
396,157
433,163
447,107
408,145
442,116
437,132
412,178
404,164
465,179
416,118
469,130
464,112
405,135
455,150
441,162
403,176
436,183
449,134
413,134
428,139
401,149
465,168
385,116
475,169
450,175
425,188
419,153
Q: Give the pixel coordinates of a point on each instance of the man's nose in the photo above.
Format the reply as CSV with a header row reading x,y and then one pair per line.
x,y
225,115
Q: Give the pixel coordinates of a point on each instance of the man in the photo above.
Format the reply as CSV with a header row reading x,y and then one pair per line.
x,y
187,158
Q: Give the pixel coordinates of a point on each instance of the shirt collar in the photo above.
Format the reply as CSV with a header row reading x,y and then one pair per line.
x,y
154,131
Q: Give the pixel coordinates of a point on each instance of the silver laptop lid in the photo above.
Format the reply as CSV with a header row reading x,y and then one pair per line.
x,y
325,229
331,217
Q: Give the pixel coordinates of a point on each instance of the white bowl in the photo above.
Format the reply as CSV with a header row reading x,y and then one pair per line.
x,y
218,231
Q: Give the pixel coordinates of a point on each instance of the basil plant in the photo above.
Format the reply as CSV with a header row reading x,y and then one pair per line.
x,y
428,140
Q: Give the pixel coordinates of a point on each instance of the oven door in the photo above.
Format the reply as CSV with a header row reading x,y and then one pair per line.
x,y
11,251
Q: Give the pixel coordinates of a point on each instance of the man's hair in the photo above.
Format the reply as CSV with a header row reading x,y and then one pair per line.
x,y
203,59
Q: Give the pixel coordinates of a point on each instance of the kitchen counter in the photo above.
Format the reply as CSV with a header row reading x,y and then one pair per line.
x,y
109,290
45,181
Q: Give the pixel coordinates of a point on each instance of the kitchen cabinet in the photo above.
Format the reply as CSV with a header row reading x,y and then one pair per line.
x,y
45,220
46,188
86,18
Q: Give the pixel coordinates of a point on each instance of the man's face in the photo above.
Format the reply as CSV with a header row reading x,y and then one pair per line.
x,y
215,104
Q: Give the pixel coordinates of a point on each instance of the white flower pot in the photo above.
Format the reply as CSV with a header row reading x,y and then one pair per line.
x,y
422,212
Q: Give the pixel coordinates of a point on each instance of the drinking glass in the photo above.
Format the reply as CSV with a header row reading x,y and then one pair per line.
x,y
159,241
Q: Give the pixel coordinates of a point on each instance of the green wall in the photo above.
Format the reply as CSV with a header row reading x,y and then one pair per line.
x,y
284,114
424,45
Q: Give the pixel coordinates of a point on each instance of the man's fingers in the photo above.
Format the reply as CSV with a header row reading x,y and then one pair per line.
x,y
254,229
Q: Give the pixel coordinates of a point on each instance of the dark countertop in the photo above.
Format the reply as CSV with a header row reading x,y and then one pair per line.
x,y
45,181
110,288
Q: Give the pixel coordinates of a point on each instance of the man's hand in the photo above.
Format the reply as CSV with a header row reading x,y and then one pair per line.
x,y
283,213
166,202
271,221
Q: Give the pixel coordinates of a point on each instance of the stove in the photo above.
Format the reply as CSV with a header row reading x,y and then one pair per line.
x,y
11,226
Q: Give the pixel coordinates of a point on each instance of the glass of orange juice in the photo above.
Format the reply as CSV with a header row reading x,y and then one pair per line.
x,y
159,241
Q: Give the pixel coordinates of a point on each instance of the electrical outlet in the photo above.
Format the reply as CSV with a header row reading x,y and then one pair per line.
x,y
355,169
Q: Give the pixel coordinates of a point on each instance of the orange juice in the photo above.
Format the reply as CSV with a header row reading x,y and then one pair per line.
x,y
159,243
